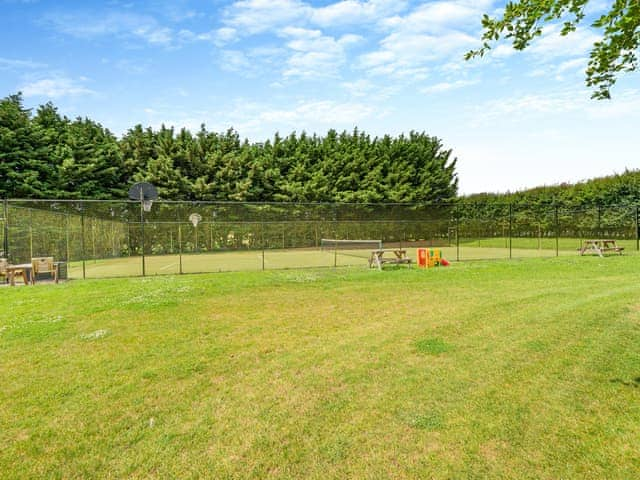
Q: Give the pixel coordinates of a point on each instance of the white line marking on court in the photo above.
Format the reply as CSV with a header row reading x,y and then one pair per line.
x,y
168,266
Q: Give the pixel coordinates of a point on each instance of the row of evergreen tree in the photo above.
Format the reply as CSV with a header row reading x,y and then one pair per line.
x,y
621,189
46,155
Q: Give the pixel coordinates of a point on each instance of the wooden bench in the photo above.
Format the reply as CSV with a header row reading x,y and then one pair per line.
x,y
600,246
377,257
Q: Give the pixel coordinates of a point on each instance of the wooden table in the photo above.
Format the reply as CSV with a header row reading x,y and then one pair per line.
x,y
600,246
11,273
378,258
27,267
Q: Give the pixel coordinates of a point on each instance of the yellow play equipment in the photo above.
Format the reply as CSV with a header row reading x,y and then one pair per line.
x,y
430,257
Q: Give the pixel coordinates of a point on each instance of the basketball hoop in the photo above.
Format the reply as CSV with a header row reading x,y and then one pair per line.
x,y
145,193
195,218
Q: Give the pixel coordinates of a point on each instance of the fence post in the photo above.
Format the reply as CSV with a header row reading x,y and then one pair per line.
x,y
93,239
599,221
510,229
68,259
335,235
262,242
457,233
180,246
82,253
637,229
5,245
30,232
557,231
128,238
142,227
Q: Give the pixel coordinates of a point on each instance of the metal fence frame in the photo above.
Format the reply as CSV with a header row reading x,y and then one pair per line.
x,y
162,231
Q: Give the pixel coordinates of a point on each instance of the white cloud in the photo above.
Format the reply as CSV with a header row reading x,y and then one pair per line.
x,y
552,45
225,35
502,51
235,61
402,52
447,86
597,7
249,17
440,16
555,104
252,62
132,67
574,64
259,121
125,25
432,33
308,115
625,105
55,87
412,42
573,68
366,88
154,35
11,64
314,54
347,12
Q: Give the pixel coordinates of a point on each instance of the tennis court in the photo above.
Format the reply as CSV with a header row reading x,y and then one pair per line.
x,y
249,260
97,239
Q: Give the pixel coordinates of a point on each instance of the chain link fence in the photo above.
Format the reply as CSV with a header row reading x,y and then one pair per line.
x,y
116,238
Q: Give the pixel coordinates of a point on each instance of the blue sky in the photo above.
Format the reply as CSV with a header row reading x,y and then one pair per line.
x,y
514,120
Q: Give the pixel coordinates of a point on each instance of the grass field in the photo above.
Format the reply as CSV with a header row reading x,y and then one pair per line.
x,y
253,260
521,369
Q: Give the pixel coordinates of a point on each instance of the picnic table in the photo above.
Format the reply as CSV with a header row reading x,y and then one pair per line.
x,y
26,270
396,256
600,246
20,269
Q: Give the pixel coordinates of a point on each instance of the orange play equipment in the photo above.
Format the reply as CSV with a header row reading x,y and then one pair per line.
x,y
431,257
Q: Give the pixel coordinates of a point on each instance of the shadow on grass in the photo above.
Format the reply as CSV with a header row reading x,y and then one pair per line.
x,y
635,383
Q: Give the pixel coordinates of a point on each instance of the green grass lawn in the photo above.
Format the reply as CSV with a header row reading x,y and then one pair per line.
x,y
522,369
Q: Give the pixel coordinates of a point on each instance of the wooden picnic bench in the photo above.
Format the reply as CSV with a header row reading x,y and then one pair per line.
x,y
21,269
399,257
600,246
29,273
